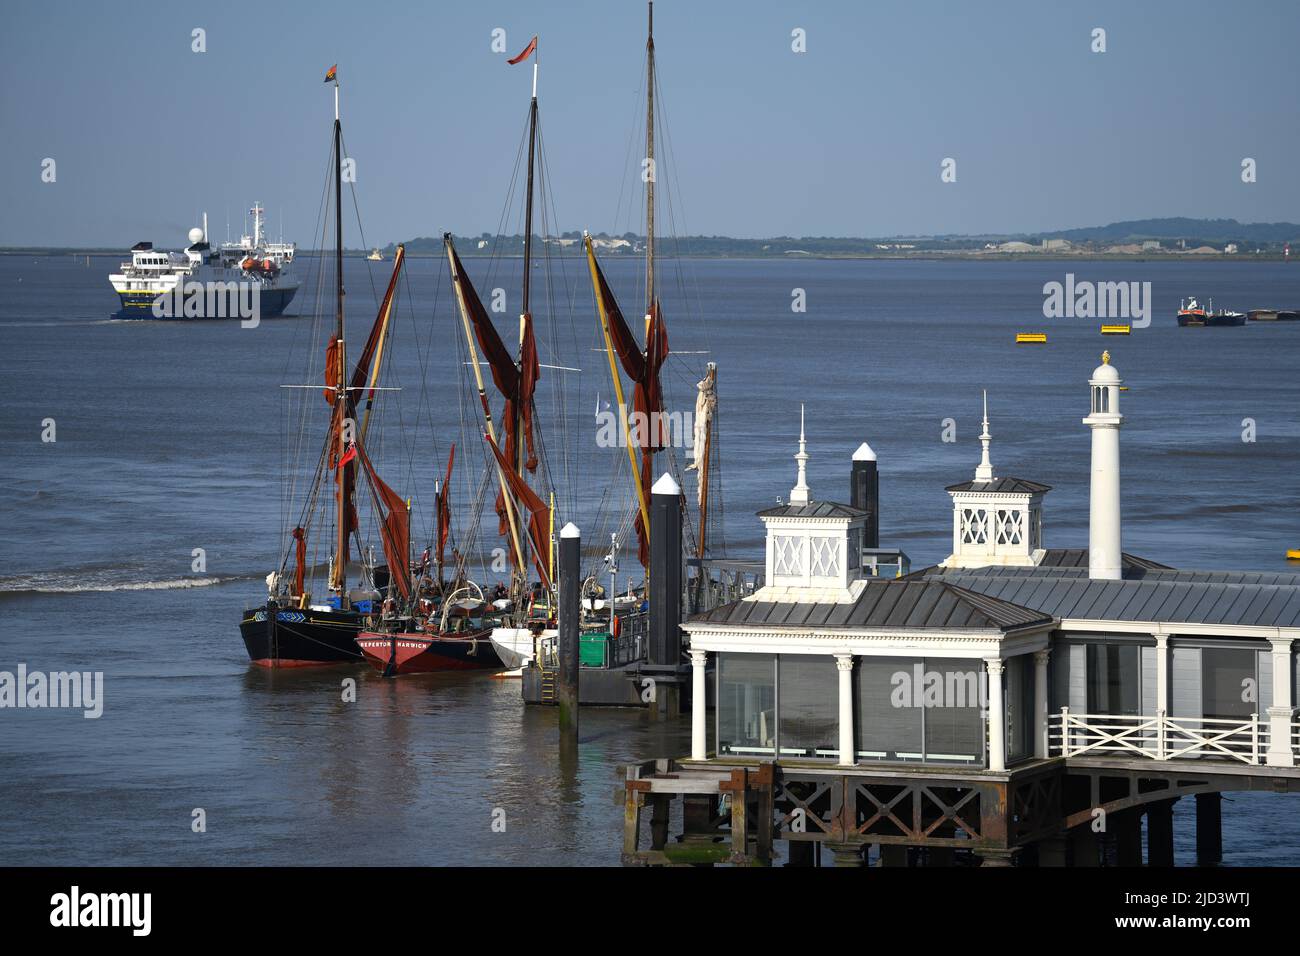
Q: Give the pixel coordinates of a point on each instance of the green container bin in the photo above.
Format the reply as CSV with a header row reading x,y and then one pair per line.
x,y
591,648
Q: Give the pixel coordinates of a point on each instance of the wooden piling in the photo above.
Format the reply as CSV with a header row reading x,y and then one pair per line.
x,y
570,578
1209,829
1160,833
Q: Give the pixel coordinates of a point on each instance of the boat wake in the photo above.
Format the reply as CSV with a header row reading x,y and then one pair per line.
x,y
63,582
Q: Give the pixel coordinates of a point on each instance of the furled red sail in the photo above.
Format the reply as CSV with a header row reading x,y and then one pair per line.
x,y
300,559
376,331
643,368
444,509
331,371
516,383
394,530
539,512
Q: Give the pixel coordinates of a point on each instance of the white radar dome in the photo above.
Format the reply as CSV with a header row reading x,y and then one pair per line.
x,y
196,235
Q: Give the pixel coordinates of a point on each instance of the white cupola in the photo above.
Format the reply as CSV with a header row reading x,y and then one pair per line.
x,y
995,521
814,548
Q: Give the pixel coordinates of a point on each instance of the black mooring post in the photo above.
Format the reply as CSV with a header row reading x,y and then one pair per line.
x,y
665,650
665,573
864,492
566,690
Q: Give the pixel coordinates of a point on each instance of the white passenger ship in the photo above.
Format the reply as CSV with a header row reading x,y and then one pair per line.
x,y
152,273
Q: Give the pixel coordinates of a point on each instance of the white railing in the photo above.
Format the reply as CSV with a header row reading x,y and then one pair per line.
x,y
1158,737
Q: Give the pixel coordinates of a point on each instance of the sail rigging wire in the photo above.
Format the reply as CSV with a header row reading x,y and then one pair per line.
x,y
289,468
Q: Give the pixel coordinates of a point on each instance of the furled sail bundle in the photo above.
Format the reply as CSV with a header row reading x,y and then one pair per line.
x,y
706,403
539,512
394,529
516,383
643,368
444,512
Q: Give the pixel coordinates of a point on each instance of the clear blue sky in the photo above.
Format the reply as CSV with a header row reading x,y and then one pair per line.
x,y
845,139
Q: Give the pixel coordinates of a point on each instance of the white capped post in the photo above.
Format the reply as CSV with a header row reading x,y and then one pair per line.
x,y
997,716
1104,546
1280,752
699,712
844,664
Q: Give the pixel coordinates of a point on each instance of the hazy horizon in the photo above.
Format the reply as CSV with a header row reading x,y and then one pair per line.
x,y
843,140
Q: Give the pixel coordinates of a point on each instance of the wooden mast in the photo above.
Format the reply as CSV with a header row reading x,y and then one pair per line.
x,y
651,172
525,317
340,401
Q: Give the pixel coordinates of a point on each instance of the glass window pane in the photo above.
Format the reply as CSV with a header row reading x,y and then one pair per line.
x,y
1228,683
809,706
889,715
954,718
747,704
1114,679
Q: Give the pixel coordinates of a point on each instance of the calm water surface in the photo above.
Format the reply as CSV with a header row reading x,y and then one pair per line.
x,y
175,436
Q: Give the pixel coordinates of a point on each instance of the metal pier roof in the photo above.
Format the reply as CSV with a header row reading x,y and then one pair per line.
x,y
899,604
1175,597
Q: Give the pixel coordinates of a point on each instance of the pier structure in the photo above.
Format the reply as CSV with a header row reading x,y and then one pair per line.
x,y
1012,705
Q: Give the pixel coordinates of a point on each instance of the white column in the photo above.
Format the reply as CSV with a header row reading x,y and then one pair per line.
x,y
699,709
997,717
844,662
1162,674
1280,752
1040,703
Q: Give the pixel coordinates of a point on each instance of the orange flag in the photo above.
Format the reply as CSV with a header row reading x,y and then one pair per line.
x,y
528,51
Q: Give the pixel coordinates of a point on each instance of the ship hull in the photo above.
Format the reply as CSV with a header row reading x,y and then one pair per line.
x,y
138,304
1190,320
301,638
517,646
1226,319
420,653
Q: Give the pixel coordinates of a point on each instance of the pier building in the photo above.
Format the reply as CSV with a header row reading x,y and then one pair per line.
x,y
1012,704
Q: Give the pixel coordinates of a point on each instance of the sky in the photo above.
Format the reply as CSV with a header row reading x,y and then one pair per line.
x,y
845,139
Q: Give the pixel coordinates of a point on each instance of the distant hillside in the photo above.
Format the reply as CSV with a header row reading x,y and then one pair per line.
x,y
1180,227
1117,238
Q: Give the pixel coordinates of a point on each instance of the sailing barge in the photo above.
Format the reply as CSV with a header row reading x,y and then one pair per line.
x,y
461,636
291,629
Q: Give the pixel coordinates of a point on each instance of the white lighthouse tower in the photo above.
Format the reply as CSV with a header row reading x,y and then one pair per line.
x,y
1104,548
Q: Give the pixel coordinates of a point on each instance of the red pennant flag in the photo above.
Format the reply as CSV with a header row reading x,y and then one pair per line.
x,y
348,455
332,73
528,51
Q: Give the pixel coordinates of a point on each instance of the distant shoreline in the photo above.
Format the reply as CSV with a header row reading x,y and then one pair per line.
x,y
928,255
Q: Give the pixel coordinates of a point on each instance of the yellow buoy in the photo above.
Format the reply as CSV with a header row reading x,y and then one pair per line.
x,y
1293,554
1116,329
1031,338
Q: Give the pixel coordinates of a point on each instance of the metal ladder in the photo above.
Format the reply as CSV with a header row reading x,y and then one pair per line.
x,y
548,685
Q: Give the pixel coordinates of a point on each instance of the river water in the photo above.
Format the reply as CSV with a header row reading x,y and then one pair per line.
x,y
173,436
